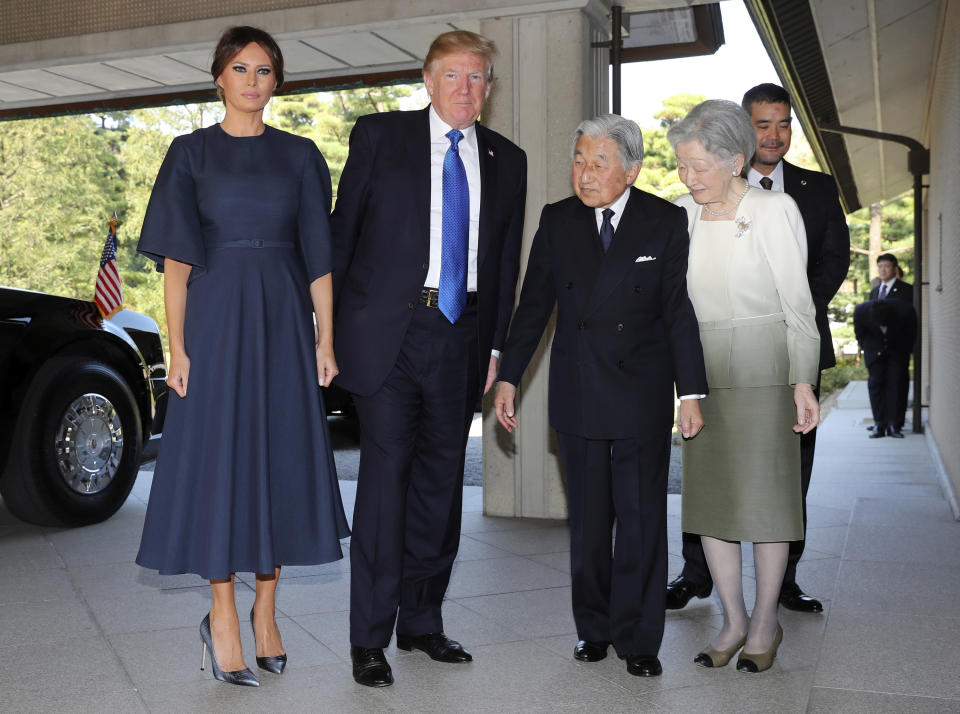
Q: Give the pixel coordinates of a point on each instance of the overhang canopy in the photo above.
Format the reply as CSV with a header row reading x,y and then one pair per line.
x,y
860,63
59,56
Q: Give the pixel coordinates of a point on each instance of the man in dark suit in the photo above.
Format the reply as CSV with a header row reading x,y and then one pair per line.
x,y
828,258
892,287
426,232
613,260
886,330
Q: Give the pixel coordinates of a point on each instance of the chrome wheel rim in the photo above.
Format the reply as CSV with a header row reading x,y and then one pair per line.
x,y
89,444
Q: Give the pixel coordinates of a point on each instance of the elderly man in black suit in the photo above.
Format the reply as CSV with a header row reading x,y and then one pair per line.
x,y
426,239
828,258
886,330
613,260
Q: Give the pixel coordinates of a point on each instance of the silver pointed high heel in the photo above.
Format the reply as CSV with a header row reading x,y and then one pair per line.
x,y
243,677
274,664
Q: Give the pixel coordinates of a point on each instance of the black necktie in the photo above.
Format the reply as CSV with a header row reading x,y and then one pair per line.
x,y
767,183
606,229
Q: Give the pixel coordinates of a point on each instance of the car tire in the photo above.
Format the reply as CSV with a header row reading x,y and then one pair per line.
x,y
76,448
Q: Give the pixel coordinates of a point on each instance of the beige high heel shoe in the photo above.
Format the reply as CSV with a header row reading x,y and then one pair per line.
x,y
759,662
718,658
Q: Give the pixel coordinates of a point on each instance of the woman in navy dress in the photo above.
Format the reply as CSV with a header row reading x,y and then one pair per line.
x,y
245,479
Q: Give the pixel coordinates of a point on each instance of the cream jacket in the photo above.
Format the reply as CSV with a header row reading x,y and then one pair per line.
x,y
747,280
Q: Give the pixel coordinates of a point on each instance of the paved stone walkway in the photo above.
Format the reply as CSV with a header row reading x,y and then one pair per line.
x,y
82,628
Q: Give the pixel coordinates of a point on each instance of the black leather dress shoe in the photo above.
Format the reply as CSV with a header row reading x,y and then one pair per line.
x,y
680,591
895,433
587,651
643,665
370,667
879,432
793,598
437,645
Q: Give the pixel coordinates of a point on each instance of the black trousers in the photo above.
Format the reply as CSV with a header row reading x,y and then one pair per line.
x,y
406,520
887,383
695,562
617,592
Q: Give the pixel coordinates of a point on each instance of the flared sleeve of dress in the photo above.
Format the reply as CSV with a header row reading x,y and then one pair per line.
x,y
171,226
313,221
783,242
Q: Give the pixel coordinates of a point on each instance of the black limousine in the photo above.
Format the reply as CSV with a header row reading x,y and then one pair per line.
x,y
81,398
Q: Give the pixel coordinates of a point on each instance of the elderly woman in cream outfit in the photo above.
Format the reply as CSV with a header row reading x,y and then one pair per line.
x,y
748,284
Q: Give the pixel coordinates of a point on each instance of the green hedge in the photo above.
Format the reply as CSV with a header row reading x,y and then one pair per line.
x,y
838,377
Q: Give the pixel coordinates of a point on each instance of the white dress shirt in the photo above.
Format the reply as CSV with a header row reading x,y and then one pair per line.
x,y
889,283
470,156
754,176
617,207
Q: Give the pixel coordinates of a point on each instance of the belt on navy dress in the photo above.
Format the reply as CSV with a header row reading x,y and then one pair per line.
x,y
431,297
253,243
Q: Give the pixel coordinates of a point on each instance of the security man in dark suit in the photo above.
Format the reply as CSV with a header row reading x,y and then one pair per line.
x,y
426,242
828,259
886,330
613,261
892,287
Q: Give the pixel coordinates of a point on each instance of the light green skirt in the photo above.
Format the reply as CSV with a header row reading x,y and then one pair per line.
x,y
741,474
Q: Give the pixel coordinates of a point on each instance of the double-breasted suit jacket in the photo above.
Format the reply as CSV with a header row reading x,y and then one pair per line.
x,y
381,251
626,331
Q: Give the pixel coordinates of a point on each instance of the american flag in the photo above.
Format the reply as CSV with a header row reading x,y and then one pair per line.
x,y
108,293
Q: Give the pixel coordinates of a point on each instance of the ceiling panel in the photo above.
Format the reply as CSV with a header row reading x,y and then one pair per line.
x,y
414,39
200,59
890,11
851,73
161,69
47,82
359,49
104,76
298,57
13,93
837,20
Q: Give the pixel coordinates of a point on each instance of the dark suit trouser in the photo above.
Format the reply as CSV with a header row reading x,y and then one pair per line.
x,y
695,563
887,384
406,520
618,593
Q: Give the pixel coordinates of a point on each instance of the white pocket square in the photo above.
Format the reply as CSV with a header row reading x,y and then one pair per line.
x,y
644,258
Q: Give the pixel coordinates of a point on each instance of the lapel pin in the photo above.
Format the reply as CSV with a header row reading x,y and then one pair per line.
x,y
489,152
803,182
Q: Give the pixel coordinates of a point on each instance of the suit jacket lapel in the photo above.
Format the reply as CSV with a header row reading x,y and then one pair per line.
x,y
791,179
620,257
418,158
488,193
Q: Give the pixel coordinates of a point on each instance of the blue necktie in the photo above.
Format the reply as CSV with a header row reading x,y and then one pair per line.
x,y
456,232
883,292
606,229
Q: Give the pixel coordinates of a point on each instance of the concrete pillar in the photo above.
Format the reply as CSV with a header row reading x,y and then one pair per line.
x,y
548,80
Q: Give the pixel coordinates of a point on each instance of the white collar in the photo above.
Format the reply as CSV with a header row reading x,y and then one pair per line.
x,y
439,128
754,176
617,207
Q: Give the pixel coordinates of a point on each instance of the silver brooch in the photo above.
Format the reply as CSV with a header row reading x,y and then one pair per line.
x,y
743,225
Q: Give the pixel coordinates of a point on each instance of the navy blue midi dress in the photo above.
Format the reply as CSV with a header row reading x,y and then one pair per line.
x,y
245,479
